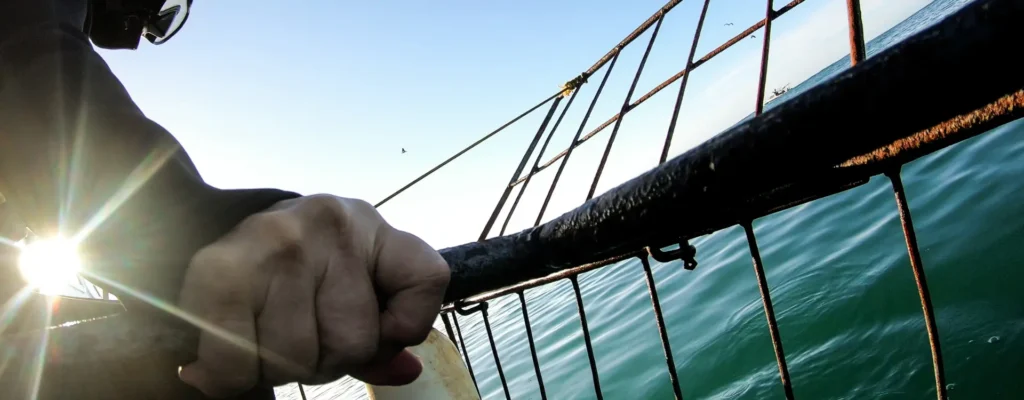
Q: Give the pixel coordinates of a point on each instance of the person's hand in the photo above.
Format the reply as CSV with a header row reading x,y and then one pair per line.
x,y
308,291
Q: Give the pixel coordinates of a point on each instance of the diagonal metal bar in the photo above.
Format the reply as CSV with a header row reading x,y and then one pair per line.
x,y
586,336
922,283
682,85
519,170
857,49
551,133
763,76
575,140
661,86
624,110
769,310
448,329
662,331
533,345
465,353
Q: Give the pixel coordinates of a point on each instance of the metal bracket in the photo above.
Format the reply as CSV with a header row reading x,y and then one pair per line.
x,y
685,252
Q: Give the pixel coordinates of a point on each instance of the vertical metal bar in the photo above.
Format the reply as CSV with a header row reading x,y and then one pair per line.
x,y
302,393
922,282
625,109
857,50
682,85
536,162
533,346
586,335
575,139
519,170
660,319
465,353
768,16
448,329
494,350
769,311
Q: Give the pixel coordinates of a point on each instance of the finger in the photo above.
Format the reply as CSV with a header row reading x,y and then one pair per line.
x,y
287,328
217,295
412,276
396,370
347,317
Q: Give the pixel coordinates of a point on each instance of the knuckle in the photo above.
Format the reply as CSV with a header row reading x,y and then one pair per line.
x,y
283,230
214,267
323,206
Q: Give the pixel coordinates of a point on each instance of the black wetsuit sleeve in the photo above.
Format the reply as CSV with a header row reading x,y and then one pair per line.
x,y
78,157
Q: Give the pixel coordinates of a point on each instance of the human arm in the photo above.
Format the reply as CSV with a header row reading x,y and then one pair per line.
x,y
78,156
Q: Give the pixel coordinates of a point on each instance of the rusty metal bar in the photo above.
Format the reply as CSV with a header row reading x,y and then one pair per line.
x,y
614,52
575,140
662,331
922,283
536,161
482,307
624,110
769,310
468,148
546,279
586,335
533,345
494,350
465,353
857,49
682,85
519,169
448,329
769,15
663,85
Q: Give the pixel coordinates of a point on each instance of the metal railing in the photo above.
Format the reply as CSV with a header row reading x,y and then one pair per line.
x,y
961,75
723,178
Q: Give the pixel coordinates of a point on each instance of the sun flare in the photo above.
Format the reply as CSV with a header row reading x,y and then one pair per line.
x,y
49,265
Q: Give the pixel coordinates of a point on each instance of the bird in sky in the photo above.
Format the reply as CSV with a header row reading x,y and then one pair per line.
x,y
403,150
753,36
728,24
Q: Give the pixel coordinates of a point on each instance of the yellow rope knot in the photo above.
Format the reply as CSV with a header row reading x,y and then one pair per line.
x,y
575,83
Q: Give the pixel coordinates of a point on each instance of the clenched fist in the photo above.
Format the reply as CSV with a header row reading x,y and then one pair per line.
x,y
308,291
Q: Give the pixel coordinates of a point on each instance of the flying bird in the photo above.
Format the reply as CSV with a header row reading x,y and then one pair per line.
x,y
403,150
753,36
728,24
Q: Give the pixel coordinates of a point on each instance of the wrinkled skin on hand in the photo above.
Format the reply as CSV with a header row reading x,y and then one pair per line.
x,y
308,291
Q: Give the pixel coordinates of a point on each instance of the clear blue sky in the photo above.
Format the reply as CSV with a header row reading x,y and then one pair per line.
x,y
320,96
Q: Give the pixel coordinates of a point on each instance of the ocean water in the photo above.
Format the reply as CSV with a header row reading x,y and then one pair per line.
x,y
844,294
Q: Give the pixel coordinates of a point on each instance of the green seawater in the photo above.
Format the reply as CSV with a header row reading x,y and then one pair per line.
x,y
843,291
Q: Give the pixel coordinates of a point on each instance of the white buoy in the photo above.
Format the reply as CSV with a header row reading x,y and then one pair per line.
x,y
444,376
